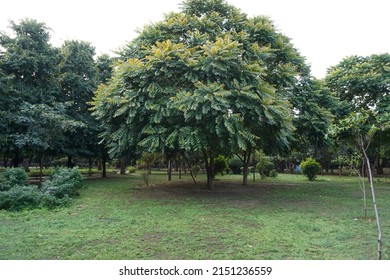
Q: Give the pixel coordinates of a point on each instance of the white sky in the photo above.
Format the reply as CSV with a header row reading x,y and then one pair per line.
x,y
324,31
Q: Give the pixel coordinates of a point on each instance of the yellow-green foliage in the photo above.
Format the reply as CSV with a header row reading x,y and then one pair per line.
x,y
310,167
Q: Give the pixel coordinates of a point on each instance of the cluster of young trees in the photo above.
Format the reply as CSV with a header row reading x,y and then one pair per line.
x,y
203,82
45,91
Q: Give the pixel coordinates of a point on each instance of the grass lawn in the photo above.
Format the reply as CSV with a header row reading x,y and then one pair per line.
x,y
283,218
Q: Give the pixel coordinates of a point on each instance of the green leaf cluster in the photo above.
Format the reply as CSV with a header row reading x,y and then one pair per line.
x,y
310,168
207,79
56,191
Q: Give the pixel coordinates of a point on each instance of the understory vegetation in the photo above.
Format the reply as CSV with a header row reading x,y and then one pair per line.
x,y
57,190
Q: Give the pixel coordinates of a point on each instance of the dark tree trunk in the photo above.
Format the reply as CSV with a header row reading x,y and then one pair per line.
x,y
122,164
5,161
90,166
169,169
104,172
245,175
254,168
26,164
41,160
70,162
17,157
245,168
180,167
209,170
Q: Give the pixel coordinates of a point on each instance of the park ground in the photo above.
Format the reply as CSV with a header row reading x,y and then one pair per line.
x,y
279,219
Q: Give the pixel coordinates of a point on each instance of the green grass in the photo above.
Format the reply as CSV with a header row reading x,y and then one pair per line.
x,y
283,218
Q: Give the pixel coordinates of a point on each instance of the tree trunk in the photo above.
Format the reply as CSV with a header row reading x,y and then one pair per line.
x,y
122,164
90,167
210,170
245,168
190,168
17,157
245,175
70,162
26,164
370,177
5,159
180,167
41,159
254,168
104,172
169,169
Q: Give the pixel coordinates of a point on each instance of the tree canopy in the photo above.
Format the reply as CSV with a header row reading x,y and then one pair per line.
x,y
362,84
208,79
44,94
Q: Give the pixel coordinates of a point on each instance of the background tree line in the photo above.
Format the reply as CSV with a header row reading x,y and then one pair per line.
x,y
44,97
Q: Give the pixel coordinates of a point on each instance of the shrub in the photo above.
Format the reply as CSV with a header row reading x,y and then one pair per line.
x,y
235,165
310,167
266,167
56,191
132,169
220,164
273,173
12,177
63,182
51,202
21,197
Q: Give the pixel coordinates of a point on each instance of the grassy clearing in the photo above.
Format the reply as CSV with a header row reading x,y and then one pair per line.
x,y
283,218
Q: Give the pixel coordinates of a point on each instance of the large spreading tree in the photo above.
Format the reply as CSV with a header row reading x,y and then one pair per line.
x,y
207,80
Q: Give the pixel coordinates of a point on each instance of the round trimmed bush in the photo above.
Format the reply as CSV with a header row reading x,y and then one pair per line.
x,y
235,165
310,168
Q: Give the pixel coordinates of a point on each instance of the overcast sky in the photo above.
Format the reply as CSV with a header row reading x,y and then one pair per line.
x,y
324,31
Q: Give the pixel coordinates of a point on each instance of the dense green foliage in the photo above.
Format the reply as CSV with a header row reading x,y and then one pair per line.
x,y
206,80
235,165
203,82
56,191
221,164
44,96
12,177
78,81
310,168
362,85
265,167
63,183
